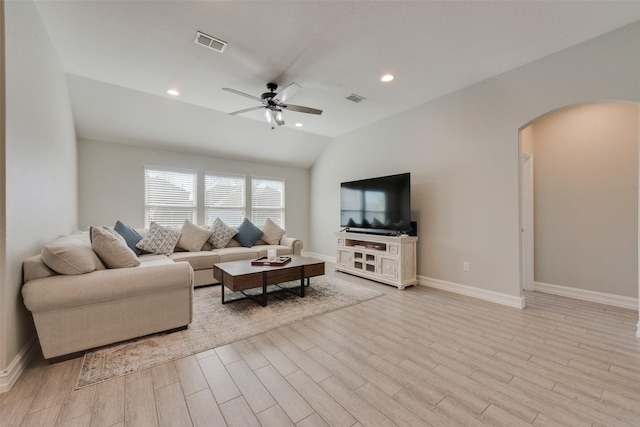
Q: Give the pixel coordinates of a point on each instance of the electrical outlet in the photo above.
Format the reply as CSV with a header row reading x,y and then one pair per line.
x,y
465,266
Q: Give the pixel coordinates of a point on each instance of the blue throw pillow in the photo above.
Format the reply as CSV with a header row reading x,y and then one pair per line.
x,y
131,236
248,234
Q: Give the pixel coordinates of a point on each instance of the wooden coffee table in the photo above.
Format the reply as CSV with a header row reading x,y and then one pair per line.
x,y
238,276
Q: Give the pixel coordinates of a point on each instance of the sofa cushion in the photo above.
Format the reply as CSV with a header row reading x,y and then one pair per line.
x,y
71,255
112,249
221,234
192,237
248,234
237,254
199,260
131,236
34,268
272,233
159,240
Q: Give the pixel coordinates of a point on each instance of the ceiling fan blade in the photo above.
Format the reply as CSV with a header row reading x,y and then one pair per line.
x,y
302,109
237,92
287,92
246,110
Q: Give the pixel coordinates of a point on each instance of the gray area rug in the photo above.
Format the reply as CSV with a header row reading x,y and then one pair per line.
x,y
215,325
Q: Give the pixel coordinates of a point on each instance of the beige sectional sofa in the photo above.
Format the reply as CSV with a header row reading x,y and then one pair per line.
x,y
76,312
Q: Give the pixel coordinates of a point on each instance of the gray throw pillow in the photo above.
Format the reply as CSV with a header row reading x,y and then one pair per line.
x,y
131,236
248,234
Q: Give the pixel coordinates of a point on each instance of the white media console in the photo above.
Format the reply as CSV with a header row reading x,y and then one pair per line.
x,y
386,259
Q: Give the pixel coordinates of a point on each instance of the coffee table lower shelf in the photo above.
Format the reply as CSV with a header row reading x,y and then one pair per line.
x,y
239,276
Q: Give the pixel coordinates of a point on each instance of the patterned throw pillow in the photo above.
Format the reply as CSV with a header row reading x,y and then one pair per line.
x,y
222,234
159,240
272,232
248,234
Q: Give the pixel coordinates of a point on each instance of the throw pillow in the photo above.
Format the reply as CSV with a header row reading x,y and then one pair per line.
x,y
221,234
192,237
159,240
248,234
112,249
71,255
131,236
272,232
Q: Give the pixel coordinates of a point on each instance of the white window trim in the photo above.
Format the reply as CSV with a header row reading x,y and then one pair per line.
x,y
173,170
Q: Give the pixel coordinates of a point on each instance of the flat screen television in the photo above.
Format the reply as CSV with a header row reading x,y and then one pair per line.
x,y
377,205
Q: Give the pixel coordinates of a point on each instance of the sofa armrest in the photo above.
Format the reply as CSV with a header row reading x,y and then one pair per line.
x,y
65,291
294,243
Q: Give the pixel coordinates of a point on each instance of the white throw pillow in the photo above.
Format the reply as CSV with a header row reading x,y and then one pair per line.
x,y
193,237
221,234
272,232
112,249
159,240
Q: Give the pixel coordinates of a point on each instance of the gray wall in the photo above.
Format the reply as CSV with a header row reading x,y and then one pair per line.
x,y
40,153
462,151
586,198
111,183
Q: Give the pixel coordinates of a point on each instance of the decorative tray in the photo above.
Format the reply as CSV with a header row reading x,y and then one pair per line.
x,y
263,260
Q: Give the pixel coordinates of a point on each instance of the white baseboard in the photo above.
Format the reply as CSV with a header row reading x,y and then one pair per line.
x,y
320,256
483,294
586,295
9,376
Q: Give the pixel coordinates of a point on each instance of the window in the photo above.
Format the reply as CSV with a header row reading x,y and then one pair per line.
x,y
169,196
267,200
224,197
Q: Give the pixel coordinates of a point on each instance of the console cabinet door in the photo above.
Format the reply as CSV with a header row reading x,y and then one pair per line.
x,y
389,267
345,258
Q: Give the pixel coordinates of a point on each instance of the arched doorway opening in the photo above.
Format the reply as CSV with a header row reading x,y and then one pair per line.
x,y
579,204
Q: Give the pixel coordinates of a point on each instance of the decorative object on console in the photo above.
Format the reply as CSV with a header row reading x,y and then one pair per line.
x,y
248,234
192,237
159,240
221,234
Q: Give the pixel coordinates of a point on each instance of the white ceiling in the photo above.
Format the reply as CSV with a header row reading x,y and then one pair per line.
x,y
122,56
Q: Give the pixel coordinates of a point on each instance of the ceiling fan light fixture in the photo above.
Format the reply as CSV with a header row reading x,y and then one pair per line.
x,y
267,113
387,78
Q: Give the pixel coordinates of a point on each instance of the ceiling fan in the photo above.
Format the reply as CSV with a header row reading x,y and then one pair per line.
x,y
274,103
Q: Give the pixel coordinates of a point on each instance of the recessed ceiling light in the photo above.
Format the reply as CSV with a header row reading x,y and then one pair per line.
x,y
298,125
387,78
173,92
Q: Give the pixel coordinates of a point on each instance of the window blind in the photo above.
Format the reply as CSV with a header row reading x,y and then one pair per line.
x,y
224,198
169,196
267,200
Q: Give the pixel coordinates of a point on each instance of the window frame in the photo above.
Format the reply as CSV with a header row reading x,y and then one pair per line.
x,y
206,207
178,206
283,198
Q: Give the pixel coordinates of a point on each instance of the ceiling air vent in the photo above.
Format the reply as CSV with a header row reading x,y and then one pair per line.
x,y
210,42
355,98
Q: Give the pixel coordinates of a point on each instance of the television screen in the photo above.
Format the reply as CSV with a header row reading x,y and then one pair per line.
x,y
377,205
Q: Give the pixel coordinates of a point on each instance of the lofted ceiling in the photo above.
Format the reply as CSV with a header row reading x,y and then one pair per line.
x,y
122,56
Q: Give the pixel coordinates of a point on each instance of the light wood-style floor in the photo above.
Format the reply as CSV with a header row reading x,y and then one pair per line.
x,y
409,358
